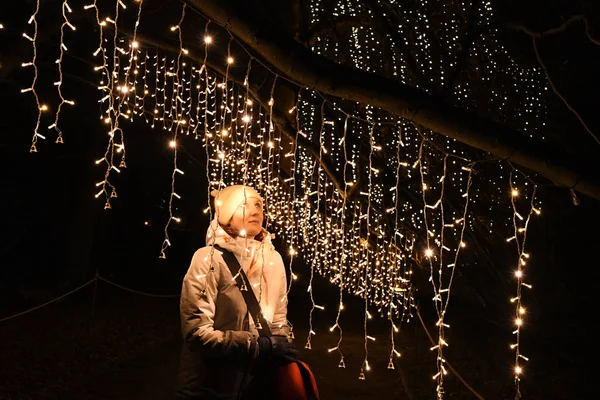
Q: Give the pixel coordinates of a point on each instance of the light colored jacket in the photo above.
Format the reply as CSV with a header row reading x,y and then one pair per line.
x,y
219,335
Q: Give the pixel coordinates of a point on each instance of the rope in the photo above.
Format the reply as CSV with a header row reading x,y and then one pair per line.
x,y
81,287
45,304
137,291
480,397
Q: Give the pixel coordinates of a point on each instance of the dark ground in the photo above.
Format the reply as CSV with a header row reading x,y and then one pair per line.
x,y
125,346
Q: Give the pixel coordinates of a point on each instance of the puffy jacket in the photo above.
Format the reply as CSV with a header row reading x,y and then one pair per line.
x,y
219,335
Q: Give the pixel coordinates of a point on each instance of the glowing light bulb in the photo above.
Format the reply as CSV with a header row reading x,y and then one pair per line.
x,y
135,44
207,39
230,60
172,144
514,193
519,273
428,253
519,322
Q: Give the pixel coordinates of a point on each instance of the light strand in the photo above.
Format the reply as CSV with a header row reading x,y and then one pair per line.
x,y
173,144
32,88
65,9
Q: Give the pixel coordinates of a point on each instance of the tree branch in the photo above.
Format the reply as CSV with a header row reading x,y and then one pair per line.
x,y
557,92
317,72
558,29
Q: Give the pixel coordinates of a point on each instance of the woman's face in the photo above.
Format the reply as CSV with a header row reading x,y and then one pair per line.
x,y
248,217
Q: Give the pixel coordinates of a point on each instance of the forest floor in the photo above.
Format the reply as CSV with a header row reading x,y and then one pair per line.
x,y
126,346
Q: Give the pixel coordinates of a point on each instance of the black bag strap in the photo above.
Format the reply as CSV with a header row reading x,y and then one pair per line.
x,y
246,289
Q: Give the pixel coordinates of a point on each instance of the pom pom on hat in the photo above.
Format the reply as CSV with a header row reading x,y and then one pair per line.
x,y
229,199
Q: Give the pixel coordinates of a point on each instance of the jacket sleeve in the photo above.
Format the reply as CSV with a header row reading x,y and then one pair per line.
x,y
197,309
280,325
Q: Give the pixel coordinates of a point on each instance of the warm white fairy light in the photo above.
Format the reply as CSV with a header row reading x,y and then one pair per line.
x,y
520,238
366,278
33,64
173,143
394,244
343,253
66,9
109,84
315,257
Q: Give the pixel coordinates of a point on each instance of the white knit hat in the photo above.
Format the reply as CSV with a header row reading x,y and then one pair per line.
x,y
227,200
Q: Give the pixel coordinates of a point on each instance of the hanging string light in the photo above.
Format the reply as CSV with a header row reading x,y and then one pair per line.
x,y
520,225
65,9
32,88
173,143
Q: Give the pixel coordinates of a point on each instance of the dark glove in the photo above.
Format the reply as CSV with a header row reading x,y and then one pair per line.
x,y
277,347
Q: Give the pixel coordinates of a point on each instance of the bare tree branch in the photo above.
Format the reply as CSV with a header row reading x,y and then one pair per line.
x,y
557,92
558,29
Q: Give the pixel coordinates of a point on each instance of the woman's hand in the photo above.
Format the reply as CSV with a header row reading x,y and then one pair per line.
x,y
277,347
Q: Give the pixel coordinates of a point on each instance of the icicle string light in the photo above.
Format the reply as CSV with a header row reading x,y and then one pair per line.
x,y
366,280
32,88
520,235
108,85
316,257
173,144
65,10
343,253
203,75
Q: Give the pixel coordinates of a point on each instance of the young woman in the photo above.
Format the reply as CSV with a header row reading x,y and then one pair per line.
x,y
222,349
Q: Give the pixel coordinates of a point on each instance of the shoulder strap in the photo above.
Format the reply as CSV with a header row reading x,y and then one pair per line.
x,y
245,288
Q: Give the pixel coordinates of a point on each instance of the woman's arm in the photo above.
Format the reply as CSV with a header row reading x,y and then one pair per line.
x,y
197,307
280,324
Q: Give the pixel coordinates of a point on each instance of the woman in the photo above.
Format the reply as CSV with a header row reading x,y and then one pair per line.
x,y
222,349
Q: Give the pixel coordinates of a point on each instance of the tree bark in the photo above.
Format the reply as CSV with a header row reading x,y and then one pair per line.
x,y
308,69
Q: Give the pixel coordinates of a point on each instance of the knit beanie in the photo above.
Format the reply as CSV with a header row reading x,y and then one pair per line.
x,y
227,200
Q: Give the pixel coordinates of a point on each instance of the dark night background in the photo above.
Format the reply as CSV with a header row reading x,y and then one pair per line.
x,y
104,342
